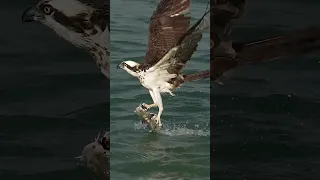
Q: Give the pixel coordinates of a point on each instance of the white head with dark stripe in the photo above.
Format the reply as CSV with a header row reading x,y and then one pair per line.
x,y
74,20
83,23
130,67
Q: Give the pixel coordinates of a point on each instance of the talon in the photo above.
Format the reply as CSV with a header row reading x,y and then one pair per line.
x,y
158,122
149,106
144,105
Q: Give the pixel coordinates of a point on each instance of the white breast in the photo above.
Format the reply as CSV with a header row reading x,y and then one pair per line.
x,y
156,79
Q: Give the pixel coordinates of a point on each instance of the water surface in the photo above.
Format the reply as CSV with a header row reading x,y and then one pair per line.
x,y
181,151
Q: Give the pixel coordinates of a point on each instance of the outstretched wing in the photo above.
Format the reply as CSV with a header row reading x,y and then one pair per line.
x,y
168,23
188,45
176,59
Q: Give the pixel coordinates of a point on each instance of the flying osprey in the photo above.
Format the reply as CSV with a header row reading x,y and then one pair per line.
x,y
170,46
83,23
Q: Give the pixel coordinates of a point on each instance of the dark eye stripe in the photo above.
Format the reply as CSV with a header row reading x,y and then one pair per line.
x,y
68,22
135,69
76,23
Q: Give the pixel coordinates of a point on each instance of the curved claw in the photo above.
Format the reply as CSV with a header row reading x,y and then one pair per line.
x,y
172,94
158,122
144,106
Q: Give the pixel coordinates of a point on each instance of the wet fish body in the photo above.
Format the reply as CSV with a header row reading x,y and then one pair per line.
x,y
147,118
95,156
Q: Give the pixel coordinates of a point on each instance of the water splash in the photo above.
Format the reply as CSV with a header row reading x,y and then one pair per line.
x,y
178,130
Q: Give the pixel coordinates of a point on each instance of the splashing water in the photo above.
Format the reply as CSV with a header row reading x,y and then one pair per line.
x,y
178,130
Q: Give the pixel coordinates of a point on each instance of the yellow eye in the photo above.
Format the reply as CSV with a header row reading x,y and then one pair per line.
x,y
47,10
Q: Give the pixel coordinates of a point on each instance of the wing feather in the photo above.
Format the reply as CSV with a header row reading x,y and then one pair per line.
x,y
168,23
185,47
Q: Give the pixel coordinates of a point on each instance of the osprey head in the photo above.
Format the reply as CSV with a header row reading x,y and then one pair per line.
x,y
71,19
131,67
83,23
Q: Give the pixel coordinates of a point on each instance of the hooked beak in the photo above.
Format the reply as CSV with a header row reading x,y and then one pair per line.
x,y
120,66
29,15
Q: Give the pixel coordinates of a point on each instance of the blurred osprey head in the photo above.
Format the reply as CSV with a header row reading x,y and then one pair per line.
x,y
84,23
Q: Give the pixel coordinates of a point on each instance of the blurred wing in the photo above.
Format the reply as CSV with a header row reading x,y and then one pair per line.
x,y
296,42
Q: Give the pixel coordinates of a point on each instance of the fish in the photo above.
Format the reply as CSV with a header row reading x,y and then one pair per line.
x,y
147,118
95,156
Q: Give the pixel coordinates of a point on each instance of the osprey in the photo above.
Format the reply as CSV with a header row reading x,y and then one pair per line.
x,y
83,23
170,46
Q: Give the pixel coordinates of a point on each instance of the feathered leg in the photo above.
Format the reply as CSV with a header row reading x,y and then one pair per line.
x,y
158,101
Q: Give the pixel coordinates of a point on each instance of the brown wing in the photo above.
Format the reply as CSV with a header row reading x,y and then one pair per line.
x,y
184,53
188,45
165,31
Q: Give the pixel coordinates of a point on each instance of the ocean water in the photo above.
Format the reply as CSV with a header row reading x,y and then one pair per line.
x,y
182,149
53,100
265,119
